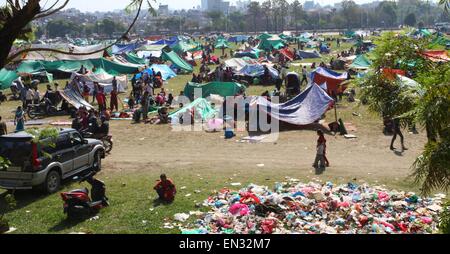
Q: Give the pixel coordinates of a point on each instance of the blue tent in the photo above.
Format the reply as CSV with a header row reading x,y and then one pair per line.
x,y
257,70
307,54
238,38
165,70
165,42
124,48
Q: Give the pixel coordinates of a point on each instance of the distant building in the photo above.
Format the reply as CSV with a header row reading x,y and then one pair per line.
x,y
163,10
242,6
309,5
215,5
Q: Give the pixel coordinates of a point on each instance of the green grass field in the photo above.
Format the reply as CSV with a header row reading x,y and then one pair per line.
x,y
131,195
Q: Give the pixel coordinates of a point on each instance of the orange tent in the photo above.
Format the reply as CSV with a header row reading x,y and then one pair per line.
x,y
287,53
436,55
390,73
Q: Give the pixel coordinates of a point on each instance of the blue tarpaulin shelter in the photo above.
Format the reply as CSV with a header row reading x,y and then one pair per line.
x,y
165,70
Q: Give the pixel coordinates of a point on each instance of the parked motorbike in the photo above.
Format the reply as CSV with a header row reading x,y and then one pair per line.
x,y
77,203
43,109
107,140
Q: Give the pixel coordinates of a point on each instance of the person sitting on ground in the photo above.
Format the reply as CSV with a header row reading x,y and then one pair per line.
x,y
2,97
3,128
165,188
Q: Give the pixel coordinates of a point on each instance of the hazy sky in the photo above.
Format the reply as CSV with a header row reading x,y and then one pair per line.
x,y
109,5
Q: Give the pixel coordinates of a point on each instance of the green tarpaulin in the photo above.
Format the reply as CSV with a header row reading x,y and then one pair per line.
x,y
223,89
200,106
134,59
102,65
361,62
6,78
177,61
270,44
265,36
222,43
182,47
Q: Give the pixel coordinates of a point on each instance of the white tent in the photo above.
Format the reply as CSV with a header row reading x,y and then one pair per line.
x,y
104,79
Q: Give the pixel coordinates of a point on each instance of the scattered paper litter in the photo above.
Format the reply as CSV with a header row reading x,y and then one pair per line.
x,y
235,184
260,165
181,217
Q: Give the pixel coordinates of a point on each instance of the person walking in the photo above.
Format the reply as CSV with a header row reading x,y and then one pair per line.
x,y
397,131
19,119
114,102
320,160
304,76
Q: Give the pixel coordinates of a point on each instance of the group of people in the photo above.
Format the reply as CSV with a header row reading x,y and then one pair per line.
x,y
88,121
98,93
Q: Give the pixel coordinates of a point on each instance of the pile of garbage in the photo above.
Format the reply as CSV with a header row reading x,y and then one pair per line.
x,y
314,208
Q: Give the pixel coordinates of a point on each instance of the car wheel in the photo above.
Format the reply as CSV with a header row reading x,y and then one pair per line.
x,y
97,165
52,182
108,145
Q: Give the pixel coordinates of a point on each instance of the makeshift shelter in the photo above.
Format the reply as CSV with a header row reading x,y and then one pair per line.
x,y
177,61
182,46
288,54
221,44
305,54
135,59
52,56
73,96
6,78
165,70
101,65
332,78
238,38
269,44
305,108
124,48
257,70
200,107
165,42
104,80
236,63
392,73
361,62
223,89
252,53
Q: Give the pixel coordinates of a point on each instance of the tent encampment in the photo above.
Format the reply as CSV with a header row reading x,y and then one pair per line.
x,y
177,61
223,89
303,109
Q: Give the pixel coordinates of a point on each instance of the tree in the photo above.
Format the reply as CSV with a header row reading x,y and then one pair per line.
x,y
296,10
61,28
387,13
254,9
427,104
16,17
410,19
351,13
266,9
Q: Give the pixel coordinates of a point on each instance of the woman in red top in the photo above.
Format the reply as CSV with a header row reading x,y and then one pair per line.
x,y
165,188
101,99
324,141
114,102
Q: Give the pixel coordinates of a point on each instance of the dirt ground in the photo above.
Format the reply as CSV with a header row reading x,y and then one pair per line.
x,y
139,147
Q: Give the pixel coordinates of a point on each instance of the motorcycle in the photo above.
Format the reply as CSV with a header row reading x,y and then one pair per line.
x,y
107,140
77,203
43,109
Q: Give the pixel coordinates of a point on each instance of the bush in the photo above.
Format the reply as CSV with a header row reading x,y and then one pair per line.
x,y
444,222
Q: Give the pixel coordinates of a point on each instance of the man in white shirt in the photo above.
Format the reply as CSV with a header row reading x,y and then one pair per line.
x,y
304,75
29,97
